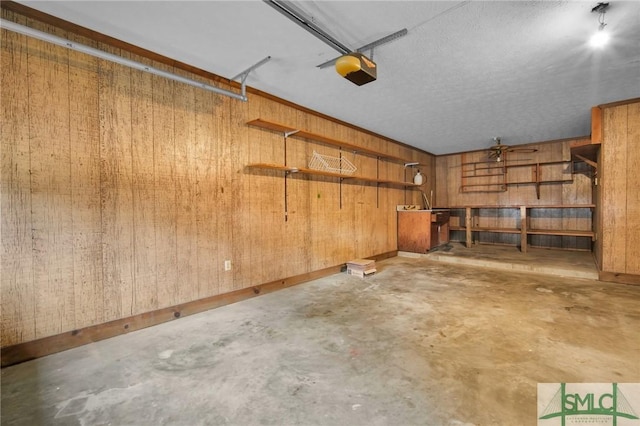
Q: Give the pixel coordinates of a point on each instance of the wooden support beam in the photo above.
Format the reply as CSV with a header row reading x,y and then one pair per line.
x,y
468,224
523,229
596,124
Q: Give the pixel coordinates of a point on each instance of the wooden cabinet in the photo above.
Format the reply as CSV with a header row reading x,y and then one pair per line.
x,y
421,230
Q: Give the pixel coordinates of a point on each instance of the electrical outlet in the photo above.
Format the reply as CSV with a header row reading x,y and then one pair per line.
x,y
227,265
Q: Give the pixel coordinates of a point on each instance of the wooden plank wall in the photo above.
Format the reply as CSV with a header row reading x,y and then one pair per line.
x,y
449,193
618,248
124,193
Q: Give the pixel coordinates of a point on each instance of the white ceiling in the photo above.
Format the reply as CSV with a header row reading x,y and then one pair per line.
x,y
464,73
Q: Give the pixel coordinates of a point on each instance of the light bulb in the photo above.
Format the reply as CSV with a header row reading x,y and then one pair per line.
x,y
599,39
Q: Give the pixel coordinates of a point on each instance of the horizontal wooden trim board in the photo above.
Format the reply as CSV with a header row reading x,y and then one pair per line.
x,y
49,345
620,278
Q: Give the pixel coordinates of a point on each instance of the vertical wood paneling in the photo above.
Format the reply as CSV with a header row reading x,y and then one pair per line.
x,y
257,187
164,164
597,212
226,190
17,287
632,255
117,195
84,134
186,226
206,194
614,191
145,285
240,211
51,188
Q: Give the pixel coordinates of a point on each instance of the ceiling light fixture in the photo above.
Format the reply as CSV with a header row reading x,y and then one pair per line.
x,y
601,37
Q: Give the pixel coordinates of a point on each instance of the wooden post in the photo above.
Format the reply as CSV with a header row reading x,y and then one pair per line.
x,y
467,220
596,124
523,229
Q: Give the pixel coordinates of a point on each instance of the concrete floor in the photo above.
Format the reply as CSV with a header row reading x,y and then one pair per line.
x,y
420,342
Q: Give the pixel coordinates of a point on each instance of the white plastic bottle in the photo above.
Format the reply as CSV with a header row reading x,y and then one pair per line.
x,y
418,179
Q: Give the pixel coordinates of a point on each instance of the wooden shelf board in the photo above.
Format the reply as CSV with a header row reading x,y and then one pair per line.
x,y
268,166
276,127
529,206
567,233
541,164
484,190
488,164
484,206
480,176
542,182
561,206
299,133
314,172
586,150
558,232
486,229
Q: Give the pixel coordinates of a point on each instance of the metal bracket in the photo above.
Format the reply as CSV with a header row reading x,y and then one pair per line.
x,y
293,132
244,74
386,39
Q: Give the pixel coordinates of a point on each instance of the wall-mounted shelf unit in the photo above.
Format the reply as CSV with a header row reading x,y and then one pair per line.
x,y
288,131
473,212
482,176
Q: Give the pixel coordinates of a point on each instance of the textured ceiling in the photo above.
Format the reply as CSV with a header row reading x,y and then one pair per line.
x,y
464,73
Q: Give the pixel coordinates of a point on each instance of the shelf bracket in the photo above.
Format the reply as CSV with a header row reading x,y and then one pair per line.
x,y
586,160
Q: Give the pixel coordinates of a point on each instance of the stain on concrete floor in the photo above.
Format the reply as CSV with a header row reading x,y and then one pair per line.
x,y
418,343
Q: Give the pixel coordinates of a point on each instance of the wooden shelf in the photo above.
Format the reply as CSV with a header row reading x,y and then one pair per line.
x,y
542,182
300,133
487,229
481,176
563,233
289,171
585,151
529,206
524,228
305,171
